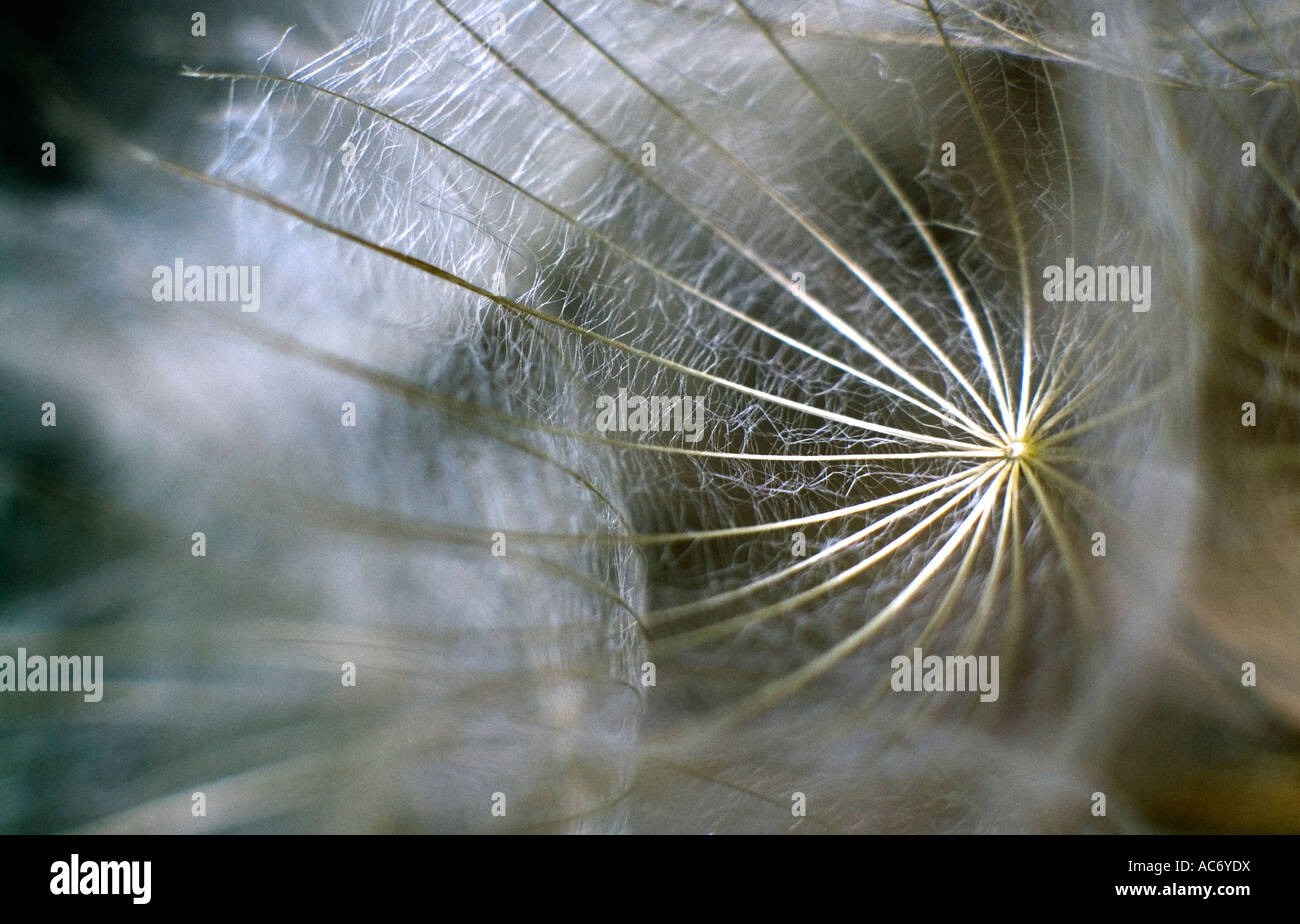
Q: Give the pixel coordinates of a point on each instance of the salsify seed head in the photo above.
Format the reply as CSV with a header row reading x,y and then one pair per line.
x,y
629,400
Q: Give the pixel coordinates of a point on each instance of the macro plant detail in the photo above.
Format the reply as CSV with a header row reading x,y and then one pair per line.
x,y
504,244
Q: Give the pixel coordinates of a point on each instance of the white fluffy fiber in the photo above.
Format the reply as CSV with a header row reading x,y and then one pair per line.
x,y
522,674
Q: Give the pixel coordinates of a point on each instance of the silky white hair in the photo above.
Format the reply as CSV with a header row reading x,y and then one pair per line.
x,y
472,220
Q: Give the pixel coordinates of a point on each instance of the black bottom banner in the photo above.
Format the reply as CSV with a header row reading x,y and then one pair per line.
x,y
303,874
